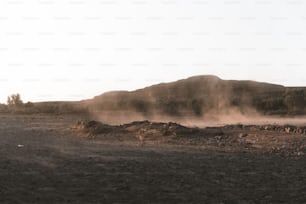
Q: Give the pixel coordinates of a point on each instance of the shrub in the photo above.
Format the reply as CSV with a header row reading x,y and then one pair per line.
x,y
14,100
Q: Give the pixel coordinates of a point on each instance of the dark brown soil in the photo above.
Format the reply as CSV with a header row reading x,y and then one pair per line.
x,y
45,159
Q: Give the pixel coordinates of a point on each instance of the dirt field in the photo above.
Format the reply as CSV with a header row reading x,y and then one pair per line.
x,y
45,159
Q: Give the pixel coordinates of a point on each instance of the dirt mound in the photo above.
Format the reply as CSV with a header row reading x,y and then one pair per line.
x,y
162,129
149,131
140,129
94,127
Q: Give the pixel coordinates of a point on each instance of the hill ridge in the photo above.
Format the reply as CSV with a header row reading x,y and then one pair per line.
x,y
203,94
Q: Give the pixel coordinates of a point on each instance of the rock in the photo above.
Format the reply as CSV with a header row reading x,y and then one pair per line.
x,y
299,131
300,153
241,135
218,137
253,128
287,130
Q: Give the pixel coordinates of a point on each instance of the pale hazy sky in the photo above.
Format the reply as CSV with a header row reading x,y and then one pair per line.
x,y
74,49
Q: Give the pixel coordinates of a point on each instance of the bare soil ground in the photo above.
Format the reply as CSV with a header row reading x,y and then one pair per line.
x,y
55,159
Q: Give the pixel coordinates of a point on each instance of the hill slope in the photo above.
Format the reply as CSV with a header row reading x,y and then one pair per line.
x,y
200,95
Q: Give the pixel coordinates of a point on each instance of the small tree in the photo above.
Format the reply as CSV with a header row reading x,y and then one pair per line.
x,y
14,100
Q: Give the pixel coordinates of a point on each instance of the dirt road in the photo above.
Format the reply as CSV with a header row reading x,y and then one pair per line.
x,y
43,161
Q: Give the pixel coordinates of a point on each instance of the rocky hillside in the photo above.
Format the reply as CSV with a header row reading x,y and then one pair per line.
x,y
200,95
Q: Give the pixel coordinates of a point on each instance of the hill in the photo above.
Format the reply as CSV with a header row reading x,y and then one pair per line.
x,y
201,95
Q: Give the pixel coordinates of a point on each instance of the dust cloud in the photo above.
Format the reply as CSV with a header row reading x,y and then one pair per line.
x,y
232,118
